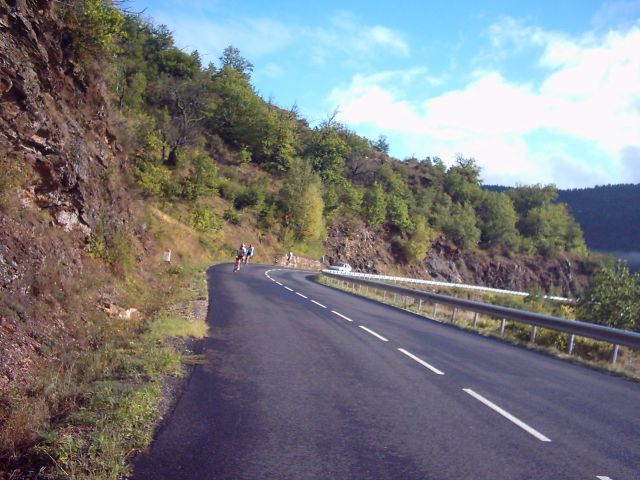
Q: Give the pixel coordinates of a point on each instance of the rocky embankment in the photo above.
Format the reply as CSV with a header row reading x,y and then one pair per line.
x,y
372,250
56,140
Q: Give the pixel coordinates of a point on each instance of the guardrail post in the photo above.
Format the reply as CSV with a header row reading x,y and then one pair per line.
x,y
435,310
384,295
572,341
394,297
502,327
453,314
475,319
616,348
534,331
420,305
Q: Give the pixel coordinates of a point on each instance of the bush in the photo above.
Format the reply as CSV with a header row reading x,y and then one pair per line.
x,y
231,216
204,219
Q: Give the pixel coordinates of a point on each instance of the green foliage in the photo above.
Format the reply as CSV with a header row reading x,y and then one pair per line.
x,y
497,220
613,299
202,179
231,216
302,202
327,152
231,58
153,179
462,181
184,109
94,25
308,216
205,219
461,226
398,213
416,248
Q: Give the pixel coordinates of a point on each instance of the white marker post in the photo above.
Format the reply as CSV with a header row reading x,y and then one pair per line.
x,y
166,256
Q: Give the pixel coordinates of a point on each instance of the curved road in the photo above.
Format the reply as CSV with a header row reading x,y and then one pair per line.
x,y
303,381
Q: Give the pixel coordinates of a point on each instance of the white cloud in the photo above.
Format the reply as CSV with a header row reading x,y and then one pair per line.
x,y
590,96
256,37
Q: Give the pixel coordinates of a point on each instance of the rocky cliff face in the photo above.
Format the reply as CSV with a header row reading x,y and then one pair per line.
x,y
372,250
55,136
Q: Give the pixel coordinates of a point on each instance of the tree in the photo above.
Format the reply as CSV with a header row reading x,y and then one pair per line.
x,y
461,226
381,145
497,220
374,205
613,299
301,201
398,213
231,58
462,181
309,219
415,249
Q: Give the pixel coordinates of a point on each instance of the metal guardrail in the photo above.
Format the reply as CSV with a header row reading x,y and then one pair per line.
x,y
434,283
574,327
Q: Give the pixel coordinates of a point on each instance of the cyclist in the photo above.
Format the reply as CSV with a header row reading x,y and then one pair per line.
x,y
250,251
240,254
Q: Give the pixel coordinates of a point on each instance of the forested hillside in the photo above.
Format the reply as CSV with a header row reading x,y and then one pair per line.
x,y
608,214
199,131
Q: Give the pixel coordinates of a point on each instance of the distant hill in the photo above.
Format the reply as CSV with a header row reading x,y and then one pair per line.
x,y
609,214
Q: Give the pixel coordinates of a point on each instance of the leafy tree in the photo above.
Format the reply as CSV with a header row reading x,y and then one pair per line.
x,y
309,219
231,58
497,220
302,202
381,145
416,248
327,152
202,179
374,205
462,181
613,298
398,213
461,226
526,198
94,25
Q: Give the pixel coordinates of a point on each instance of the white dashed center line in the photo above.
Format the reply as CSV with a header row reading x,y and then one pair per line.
x,y
373,333
279,283
290,289
421,362
507,415
319,304
342,316
298,293
602,477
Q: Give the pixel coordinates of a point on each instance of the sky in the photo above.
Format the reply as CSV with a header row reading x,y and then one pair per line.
x,y
535,91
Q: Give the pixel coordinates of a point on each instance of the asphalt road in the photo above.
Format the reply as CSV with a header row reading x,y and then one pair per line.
x,y
303,381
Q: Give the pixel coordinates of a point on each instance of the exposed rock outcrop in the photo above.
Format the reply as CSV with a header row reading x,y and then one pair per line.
x,y
372,250
54,134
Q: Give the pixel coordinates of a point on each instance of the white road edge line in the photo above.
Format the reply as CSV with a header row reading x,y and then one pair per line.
x,y
507,415
279,283
319,304
342,316
373,333
298,293
290,289
421,362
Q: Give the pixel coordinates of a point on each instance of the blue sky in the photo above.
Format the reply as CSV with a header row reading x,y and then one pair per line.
x,y
537,92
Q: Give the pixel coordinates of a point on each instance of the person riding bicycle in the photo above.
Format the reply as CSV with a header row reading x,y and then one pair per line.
x,y
240,254
250,251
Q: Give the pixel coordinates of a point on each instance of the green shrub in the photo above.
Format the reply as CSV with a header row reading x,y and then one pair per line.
x,y
204,219
231,216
